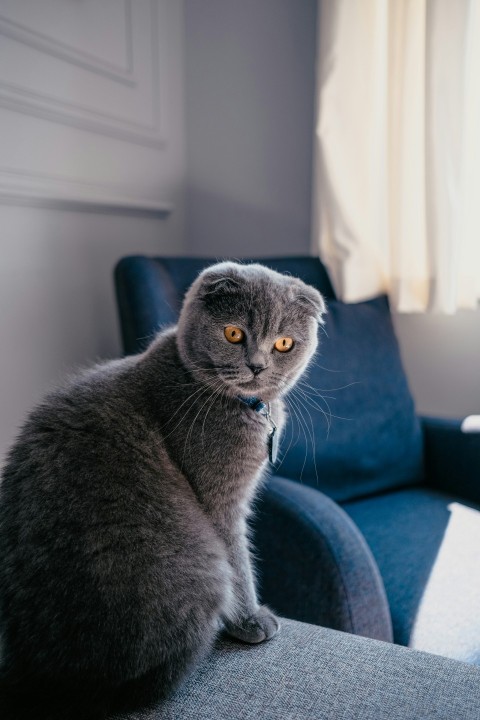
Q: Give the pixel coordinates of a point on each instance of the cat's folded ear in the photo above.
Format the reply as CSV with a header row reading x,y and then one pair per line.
x,y
311,301
221,280
217,286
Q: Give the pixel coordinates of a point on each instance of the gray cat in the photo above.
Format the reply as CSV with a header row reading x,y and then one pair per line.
x,y
124,503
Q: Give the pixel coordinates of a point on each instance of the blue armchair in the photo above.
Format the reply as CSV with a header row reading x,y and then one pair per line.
x,y
351,523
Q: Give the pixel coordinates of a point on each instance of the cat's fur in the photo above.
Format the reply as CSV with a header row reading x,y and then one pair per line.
x,y
124,502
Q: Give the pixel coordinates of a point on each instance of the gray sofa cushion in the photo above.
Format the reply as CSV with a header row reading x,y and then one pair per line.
x,y
310,673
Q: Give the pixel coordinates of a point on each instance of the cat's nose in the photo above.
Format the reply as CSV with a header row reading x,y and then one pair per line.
x,y
257,369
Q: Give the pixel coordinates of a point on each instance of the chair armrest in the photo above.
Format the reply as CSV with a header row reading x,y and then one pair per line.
x,y
312,673
314,565
452,457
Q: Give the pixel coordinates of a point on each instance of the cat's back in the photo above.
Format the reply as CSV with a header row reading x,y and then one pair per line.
x,y
89,406
89,453
89,419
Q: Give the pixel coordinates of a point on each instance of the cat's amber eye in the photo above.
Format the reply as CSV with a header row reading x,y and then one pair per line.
x,y
234,334
284,344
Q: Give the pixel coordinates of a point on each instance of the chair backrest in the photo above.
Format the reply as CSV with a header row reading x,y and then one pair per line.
x,y
352,429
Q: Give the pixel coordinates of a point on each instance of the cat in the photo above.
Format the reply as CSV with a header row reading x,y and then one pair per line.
x,y
124,502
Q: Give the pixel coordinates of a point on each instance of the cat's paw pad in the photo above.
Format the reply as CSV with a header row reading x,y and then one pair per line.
x,y
257,628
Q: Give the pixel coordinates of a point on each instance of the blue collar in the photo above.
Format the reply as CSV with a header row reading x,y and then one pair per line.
x,y
256,404
263,408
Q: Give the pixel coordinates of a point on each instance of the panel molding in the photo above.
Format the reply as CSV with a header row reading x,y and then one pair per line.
x,y
63,51
64,193
26,101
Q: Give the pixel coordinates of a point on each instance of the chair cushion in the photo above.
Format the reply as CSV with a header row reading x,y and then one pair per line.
x,y
421,546
366,436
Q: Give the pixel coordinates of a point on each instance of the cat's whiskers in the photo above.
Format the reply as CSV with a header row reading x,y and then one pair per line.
x,y
312,436
315,361
187,384
150,336
297,405
284,385
199,392
212,368
304,428
316,406
196,367
300,425
218,393
216,387
285,453
319,396
329,390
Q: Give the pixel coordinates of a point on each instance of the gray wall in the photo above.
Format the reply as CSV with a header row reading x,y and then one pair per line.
x,y
57,301
442,360
57,306
250,110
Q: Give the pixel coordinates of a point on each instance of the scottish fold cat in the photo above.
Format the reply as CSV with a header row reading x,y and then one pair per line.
x,y
124,502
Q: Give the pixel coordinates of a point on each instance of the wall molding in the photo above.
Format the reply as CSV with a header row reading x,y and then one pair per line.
x,y
20,99
63,51
28,102
18,187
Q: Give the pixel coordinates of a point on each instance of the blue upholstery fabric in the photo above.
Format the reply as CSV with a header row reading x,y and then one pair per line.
x,y
452,458
311,673
314,565
375,443
404,530
150,290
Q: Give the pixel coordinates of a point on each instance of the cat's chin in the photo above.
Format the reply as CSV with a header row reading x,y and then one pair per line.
x,y
253,388
248,386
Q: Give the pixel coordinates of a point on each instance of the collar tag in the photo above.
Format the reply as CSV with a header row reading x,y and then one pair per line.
x,y
263,408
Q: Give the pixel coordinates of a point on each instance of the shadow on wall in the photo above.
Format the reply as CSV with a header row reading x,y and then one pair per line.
x,y
56,289
220,226
441,353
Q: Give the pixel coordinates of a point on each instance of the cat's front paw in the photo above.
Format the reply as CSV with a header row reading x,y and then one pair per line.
x,y
256,628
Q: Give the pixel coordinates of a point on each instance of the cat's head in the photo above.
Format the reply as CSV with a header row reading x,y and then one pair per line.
x,y
249,330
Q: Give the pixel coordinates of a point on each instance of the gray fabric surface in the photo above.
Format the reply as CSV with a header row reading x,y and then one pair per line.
x,y
308,672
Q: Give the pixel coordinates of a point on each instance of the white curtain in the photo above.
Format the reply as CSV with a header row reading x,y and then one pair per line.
x,y
397,166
